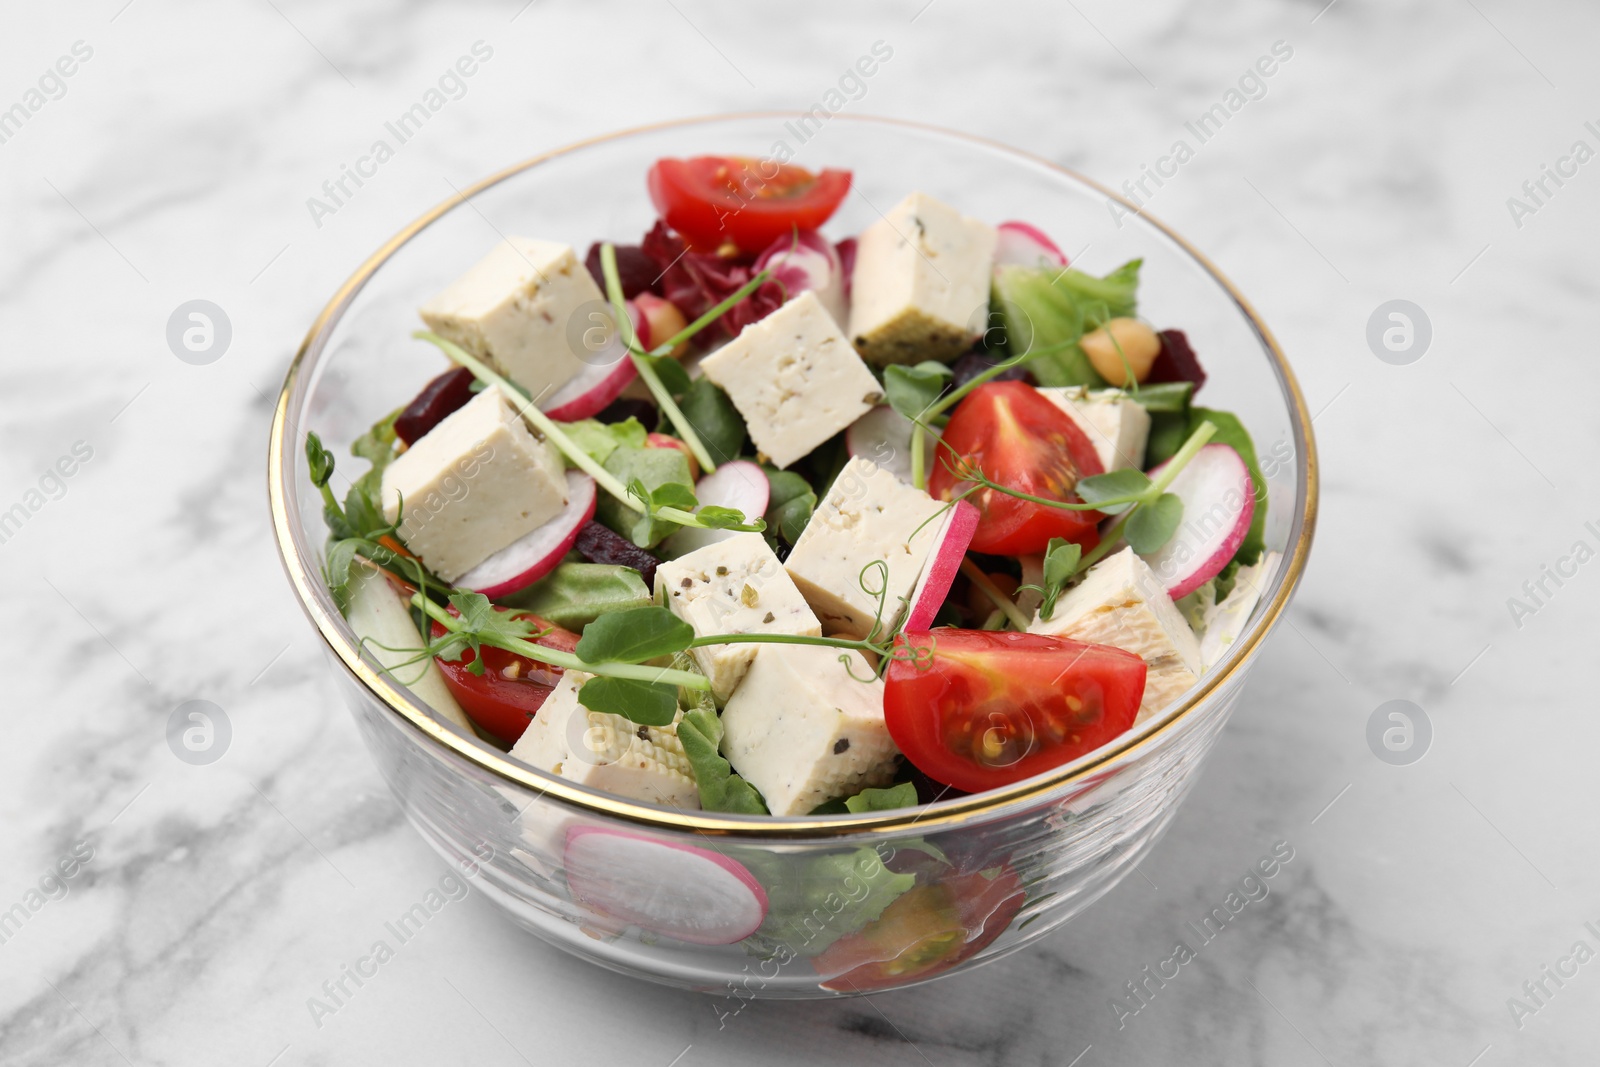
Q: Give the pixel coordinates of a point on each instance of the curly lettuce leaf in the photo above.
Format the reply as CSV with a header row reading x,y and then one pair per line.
x,y
815,900
1046,310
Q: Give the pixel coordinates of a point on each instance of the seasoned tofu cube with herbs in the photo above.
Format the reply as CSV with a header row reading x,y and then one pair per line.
x,y
472,485
920,288
794,378
735,586
1116,424
519,310
607,752
803,731
1122,603
868,516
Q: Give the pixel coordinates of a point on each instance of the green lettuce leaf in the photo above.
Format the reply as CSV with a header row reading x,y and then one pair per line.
x,y
1042,308
653,468
600,439
815,900
575,594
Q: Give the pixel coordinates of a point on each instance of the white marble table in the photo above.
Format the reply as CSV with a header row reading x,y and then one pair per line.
x,y
176,162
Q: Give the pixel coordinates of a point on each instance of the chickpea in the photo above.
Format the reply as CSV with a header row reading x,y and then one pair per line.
x,y
1119,345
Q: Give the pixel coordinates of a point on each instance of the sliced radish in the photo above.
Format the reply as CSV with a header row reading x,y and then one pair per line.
x,y
657,322
883,435
955,534
678,891
599,382
807,261
1218,503
534,555
740,485
847,262
1023,245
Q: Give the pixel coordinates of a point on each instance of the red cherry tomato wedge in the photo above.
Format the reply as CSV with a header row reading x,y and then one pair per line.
x,y
1019,439
713,201
926,930
512,688
977,709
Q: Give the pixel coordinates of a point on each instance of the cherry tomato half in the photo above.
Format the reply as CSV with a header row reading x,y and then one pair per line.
x,y
1019,439
977,709
714,200
512,688
926,930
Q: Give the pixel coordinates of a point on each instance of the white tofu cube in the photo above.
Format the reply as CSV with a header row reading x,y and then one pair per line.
x,y
524,308
1122,603
868,515
472,485
735,586
1117,425
794,378
607,752
920,288
803,731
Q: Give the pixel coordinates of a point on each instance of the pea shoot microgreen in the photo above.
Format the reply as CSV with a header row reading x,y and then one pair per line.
x,y
647,363
358,529
718,518
1060,564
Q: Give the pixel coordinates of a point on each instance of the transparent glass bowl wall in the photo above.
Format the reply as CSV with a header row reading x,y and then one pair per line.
x,y
1069,835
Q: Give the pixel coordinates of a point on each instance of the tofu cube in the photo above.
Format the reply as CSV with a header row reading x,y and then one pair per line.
x,y
1122,603
524,309
472,485
794,378
607,752
868,515
735,586
920,289
1116,424
803,731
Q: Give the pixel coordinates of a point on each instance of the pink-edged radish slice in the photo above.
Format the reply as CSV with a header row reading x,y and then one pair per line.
x,y
740,485
678,891
883,435
535,554
1022,245
939,573
807,261
657,321
1218,503
604,376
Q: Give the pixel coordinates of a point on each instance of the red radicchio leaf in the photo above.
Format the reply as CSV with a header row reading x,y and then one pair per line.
x,y
697,281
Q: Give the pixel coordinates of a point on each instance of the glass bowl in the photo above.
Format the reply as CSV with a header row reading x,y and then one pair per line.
x,y
992,872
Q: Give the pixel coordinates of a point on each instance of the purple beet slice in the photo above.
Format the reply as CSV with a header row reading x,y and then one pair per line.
x,y
599,543
1176,362
636,271
446,393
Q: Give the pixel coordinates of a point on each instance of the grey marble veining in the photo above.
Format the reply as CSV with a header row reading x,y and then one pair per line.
x,y
1376,164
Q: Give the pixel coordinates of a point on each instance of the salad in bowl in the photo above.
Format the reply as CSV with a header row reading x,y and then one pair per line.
x,y
757,517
